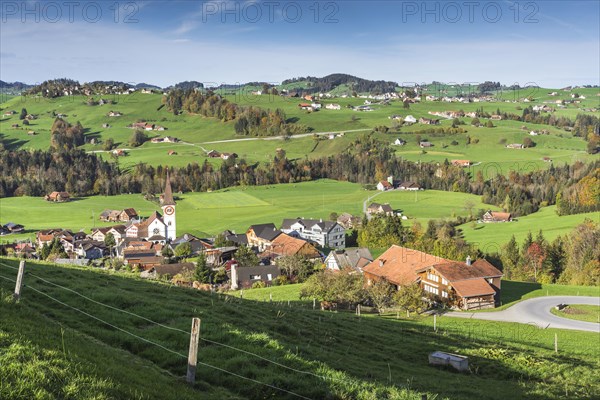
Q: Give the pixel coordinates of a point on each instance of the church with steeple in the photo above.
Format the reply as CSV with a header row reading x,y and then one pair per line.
x,y
168,206
158,228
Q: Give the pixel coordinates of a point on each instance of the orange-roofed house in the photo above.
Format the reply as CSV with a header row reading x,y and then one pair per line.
x,y
399,265
466,285
495,216
285,245
463,285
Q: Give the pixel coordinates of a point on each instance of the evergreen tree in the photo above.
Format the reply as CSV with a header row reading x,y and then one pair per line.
x,y
202,273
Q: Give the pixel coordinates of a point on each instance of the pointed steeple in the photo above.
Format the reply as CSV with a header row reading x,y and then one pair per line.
x,y
168,195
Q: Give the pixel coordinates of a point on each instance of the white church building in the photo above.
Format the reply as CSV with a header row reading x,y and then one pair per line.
x,y
158,228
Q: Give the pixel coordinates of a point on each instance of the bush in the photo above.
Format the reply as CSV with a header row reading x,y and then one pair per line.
x,y
259,285
280,280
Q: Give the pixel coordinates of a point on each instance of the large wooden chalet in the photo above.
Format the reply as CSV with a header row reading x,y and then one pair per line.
x,y
464,285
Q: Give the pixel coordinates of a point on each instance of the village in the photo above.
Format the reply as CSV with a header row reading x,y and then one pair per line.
x,y
260,256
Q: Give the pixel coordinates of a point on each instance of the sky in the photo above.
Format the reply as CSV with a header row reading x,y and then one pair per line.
x,y
546,43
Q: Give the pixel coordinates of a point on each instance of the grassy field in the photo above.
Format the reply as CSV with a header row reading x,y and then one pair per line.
x,y
59,362
199,134
491,237
580,312
334,355
211,213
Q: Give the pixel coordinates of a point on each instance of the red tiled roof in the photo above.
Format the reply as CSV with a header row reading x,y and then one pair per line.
x,y
400,264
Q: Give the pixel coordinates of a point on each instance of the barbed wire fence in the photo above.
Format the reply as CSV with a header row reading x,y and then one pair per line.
x,y
19,283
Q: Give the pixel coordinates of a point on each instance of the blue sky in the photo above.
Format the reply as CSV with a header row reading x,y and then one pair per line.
x,y
549,43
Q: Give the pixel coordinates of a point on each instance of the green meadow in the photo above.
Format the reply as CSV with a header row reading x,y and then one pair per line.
x,y
315,354
580,312
490,237
237,208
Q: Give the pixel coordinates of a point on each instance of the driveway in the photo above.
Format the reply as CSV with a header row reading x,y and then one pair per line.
x,y
537,311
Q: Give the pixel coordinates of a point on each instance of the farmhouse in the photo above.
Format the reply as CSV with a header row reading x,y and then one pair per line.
x,y
285,245
469,286
348,221
428,121
461,163
11,227
227,156
464,285
495,216
262,235
399,142
213,154
325,233
399,265
409,186
58,197
90,250
425,144
376,208
410,119
333,106
114,114
515,146
348,259
384,185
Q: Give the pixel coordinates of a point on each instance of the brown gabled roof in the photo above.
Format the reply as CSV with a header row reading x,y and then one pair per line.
x,y
286,245
398,264
500,216
168,195
130,212
455,271
473,288
386,184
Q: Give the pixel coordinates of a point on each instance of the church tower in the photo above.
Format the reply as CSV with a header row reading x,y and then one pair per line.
x,y
168,207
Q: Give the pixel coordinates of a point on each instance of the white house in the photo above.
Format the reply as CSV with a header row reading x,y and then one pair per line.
x,y
325,233
333,106
399,142
349,259
410,119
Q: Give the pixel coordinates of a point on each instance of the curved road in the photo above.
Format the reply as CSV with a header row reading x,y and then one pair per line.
x,y
537,311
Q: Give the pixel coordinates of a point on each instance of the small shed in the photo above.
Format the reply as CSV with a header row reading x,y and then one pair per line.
x,y
460,363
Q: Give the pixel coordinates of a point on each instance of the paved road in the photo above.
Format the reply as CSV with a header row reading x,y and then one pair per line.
x,y
537,311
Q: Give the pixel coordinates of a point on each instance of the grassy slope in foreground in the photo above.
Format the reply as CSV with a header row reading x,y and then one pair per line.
x,y
42,359
580,312
360,358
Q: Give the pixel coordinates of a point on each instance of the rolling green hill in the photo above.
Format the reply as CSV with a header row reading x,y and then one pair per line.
x,y
200,134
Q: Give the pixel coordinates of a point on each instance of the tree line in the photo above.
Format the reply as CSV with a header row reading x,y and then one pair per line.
x,y
365,161
569,259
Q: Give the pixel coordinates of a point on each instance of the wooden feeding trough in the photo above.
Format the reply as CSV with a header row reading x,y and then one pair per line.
x,y
460,363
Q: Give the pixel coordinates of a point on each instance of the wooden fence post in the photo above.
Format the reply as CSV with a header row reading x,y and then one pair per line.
x,y
193,354
314,303
435,322
556,343
19,283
